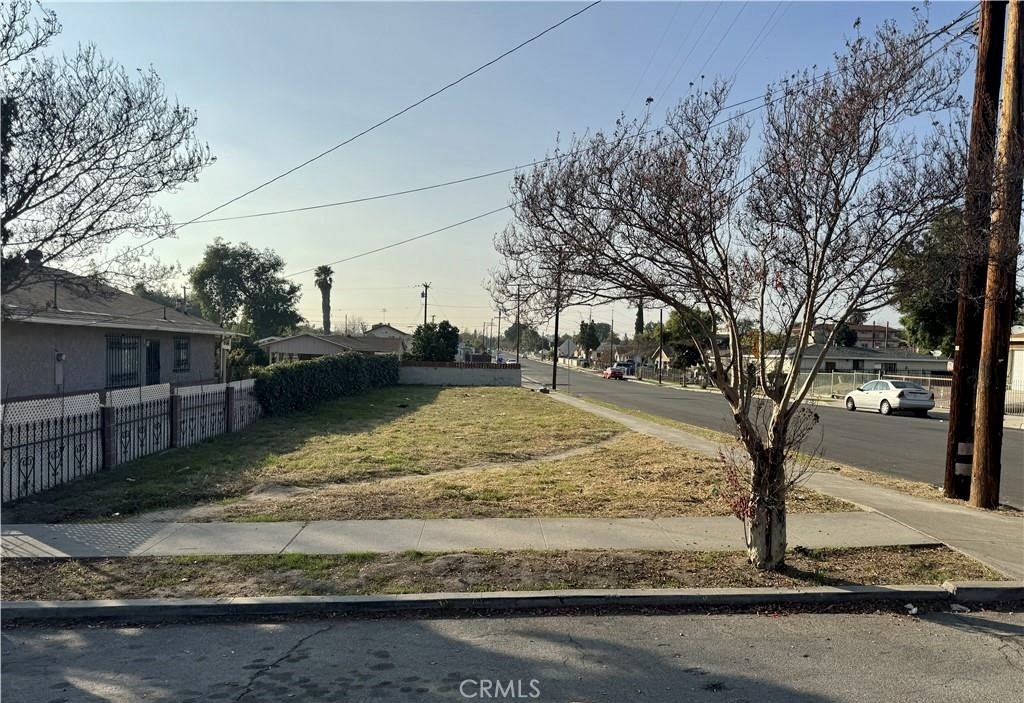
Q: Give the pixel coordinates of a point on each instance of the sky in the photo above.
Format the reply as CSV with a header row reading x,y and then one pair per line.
x,y
277,83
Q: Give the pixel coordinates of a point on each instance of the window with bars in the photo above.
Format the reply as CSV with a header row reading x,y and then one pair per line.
x,y
124,361
182,355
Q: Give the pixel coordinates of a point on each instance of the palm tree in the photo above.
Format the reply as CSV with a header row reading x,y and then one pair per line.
x,y
323,277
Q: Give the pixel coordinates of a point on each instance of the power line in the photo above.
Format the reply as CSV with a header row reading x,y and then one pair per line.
x,y
682,47
759,38
404,241
537,162
722,39
716,124
689,53
399,113
654,53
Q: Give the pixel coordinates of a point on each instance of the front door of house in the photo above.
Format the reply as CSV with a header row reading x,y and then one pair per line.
x,y
152,362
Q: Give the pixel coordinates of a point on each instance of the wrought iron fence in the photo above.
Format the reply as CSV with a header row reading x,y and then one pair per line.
x,y
246,409
139,429
47,452
201,415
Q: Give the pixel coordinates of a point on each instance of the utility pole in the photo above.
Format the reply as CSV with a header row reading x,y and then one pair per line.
x,y
498,342
977,203
1000,288
519,329
426,287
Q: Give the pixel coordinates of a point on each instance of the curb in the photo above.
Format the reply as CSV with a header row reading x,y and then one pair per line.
x,y
156,610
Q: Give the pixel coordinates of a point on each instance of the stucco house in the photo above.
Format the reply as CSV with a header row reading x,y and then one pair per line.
x,y
903,362
386,331
63,333
311,346
1015,370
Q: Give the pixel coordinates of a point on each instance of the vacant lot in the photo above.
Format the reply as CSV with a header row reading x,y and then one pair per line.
x,y
406,430
413,572
628,476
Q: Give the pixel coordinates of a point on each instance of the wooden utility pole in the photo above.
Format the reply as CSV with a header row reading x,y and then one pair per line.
x,y
426,288
987,76
1000,287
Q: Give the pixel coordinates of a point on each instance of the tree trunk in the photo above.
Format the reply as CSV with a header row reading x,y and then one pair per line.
x,y
325,305
766,525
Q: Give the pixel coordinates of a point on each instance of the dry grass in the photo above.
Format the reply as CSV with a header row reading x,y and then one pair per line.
x,y
919,489
405,430
629,476
297,574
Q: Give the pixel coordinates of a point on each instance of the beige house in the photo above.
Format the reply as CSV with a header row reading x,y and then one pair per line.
x,y
311,346
386,331
1015,370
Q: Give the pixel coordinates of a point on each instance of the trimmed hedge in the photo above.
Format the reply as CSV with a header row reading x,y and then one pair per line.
x,y
298,385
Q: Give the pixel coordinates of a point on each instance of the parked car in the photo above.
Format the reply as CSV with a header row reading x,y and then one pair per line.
x,y
614,372
887,396
628,367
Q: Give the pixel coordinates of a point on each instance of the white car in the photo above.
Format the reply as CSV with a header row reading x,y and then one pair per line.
x,y
887,396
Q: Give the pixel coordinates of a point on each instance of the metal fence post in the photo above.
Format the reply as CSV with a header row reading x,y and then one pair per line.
x,y
229,409
175,420
107,426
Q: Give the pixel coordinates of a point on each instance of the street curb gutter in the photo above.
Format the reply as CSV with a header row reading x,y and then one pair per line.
x,y
171,609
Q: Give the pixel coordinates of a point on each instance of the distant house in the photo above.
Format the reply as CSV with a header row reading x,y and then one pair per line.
x,y
1015,371
311,346
868,336
386,331
902,362
63,333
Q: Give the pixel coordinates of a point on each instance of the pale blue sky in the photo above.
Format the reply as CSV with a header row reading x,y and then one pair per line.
x,y
276,83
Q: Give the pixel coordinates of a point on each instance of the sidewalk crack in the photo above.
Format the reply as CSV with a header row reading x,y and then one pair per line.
x,y
295,536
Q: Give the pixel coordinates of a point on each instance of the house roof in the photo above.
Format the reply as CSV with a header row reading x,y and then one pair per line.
x,y
384,345
383,325
812,350
390,345
55,297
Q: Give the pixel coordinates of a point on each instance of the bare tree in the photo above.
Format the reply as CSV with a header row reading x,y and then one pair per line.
x,y
852,165
355,325
87,148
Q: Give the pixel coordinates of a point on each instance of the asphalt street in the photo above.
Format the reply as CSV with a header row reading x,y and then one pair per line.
x,y
808,658
900,445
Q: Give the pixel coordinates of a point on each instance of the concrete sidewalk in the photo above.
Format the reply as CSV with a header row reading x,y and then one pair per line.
x,y
992,538
852,529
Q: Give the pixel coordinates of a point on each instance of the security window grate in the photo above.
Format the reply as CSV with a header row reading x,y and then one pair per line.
x,y
182,354
124,361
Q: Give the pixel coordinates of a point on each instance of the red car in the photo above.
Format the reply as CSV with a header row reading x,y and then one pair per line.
x,y
613,372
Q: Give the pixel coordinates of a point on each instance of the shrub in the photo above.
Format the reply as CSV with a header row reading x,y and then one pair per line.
x,y
299,385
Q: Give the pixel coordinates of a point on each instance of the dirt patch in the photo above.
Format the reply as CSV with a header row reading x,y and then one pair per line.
x,y
412,572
